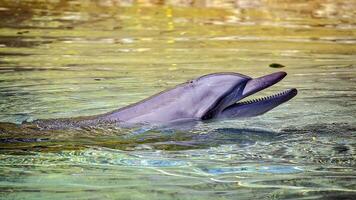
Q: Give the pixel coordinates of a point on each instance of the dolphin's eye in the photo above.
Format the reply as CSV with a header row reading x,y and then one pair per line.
x,y
190,82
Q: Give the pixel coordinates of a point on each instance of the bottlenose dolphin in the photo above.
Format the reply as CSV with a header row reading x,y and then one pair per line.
x,y
212,96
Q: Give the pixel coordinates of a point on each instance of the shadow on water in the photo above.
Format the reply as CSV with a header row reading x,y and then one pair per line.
x,y
28,137
13,136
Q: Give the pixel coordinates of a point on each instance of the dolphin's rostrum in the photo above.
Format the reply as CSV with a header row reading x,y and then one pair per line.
x,y
213,96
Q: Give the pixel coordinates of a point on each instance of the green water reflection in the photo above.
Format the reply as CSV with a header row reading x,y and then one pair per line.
x,y
63,58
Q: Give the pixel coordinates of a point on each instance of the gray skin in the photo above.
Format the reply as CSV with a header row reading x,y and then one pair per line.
x,y
213,96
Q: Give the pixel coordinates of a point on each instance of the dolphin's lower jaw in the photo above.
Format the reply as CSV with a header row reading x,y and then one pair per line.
x,y
255,107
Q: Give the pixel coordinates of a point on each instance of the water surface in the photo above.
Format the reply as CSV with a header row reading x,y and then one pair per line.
x,y
75,58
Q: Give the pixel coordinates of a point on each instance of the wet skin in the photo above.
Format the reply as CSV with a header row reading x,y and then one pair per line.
x,y
212,96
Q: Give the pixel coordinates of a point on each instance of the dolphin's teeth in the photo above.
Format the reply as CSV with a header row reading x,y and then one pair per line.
x,y
250,101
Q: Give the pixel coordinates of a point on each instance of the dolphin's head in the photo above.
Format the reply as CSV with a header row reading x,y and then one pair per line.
x,y
220,95
212,96
211,93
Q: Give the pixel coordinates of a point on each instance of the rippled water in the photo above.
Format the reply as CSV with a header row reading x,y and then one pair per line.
x,y
77,58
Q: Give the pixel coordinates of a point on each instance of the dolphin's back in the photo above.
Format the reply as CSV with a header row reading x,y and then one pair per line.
x,y
159,103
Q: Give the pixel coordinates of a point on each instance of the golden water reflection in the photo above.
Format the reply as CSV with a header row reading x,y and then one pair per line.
x,y
74,58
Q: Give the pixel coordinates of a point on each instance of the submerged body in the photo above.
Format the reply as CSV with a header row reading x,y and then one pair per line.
x,y
213,96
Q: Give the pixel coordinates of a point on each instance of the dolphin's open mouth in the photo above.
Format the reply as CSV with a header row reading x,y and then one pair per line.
x,y
257,106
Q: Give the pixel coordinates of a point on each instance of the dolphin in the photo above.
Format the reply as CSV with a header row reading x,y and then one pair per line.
x,y
209,97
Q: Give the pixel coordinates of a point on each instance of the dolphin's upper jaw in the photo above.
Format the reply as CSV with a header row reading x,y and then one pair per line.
x,y
261,83
261,105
